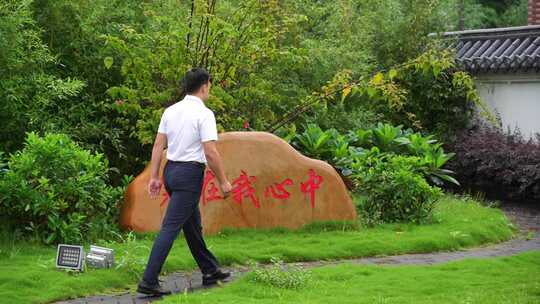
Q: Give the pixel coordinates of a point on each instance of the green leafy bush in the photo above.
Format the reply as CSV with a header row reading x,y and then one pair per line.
x,y
393,189
388,166
341,150
315,142
57,191
432,157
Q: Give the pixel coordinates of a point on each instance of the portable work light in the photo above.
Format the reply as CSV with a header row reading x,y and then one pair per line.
x,y
96,261
100,257
70,257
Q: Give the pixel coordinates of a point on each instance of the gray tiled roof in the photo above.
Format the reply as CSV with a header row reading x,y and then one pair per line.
x,y
498,50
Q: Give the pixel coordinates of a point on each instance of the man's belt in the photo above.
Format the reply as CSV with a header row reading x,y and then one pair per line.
x,y
202,165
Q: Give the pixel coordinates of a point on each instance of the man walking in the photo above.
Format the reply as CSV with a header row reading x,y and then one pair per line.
x,y
188,128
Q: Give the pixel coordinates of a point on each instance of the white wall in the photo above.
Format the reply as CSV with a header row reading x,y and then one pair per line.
x,y
516,97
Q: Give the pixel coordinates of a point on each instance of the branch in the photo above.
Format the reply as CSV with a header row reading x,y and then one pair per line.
x,y
188,38
302,108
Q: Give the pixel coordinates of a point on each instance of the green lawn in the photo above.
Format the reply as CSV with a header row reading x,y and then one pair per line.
x,y
499,280
27,273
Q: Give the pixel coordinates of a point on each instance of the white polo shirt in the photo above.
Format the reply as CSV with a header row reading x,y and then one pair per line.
x,y
187,124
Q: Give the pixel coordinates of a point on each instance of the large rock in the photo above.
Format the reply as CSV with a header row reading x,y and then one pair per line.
x,y
273,186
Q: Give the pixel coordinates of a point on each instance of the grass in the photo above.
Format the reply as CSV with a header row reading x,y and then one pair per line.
x,y
27,273
490,281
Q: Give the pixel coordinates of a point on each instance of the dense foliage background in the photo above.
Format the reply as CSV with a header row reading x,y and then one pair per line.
x,y
102,71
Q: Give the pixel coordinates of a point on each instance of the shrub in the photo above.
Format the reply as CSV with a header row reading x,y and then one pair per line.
x,y
281,276
393,189
340,150
58,192
501,164
315,142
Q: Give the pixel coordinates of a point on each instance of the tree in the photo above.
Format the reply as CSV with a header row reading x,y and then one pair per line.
x,y
27,88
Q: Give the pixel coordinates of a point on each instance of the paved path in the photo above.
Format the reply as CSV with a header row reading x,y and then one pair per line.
x,y
177,282
527,219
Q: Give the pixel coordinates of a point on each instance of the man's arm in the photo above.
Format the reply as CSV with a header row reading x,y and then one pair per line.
x,y
157,151
214,162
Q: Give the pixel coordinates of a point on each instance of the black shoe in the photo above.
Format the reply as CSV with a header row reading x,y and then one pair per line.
x,y
152,290
209,279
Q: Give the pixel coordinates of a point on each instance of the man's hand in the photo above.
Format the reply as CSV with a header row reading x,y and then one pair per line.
x,y
154,186
214,162
226,189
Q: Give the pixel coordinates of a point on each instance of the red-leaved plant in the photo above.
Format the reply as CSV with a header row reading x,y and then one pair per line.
x,y
502,164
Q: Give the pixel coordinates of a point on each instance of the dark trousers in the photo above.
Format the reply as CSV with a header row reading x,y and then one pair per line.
x,y
183,182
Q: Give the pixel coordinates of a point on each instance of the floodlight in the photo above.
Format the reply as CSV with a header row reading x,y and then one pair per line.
x,y
96,261
100,257
70,257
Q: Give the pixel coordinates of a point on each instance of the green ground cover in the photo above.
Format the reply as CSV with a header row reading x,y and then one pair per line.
x,y
499,280
27,273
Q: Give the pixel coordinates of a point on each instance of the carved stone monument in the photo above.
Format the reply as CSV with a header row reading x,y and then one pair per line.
x,y
273,186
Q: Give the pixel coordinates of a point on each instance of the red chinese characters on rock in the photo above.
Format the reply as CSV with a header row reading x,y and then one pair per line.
x,y
243,188
210,191
313,183
278,191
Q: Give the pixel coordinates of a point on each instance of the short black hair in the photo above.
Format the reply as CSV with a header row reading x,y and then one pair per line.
x,y
195,79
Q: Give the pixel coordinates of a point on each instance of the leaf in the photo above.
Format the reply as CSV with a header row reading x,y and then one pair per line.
x,y
450,179
392,74
346,172
436,70
371,92
51,238
437,180
108,62
346,91
426,67
378,79
402,141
